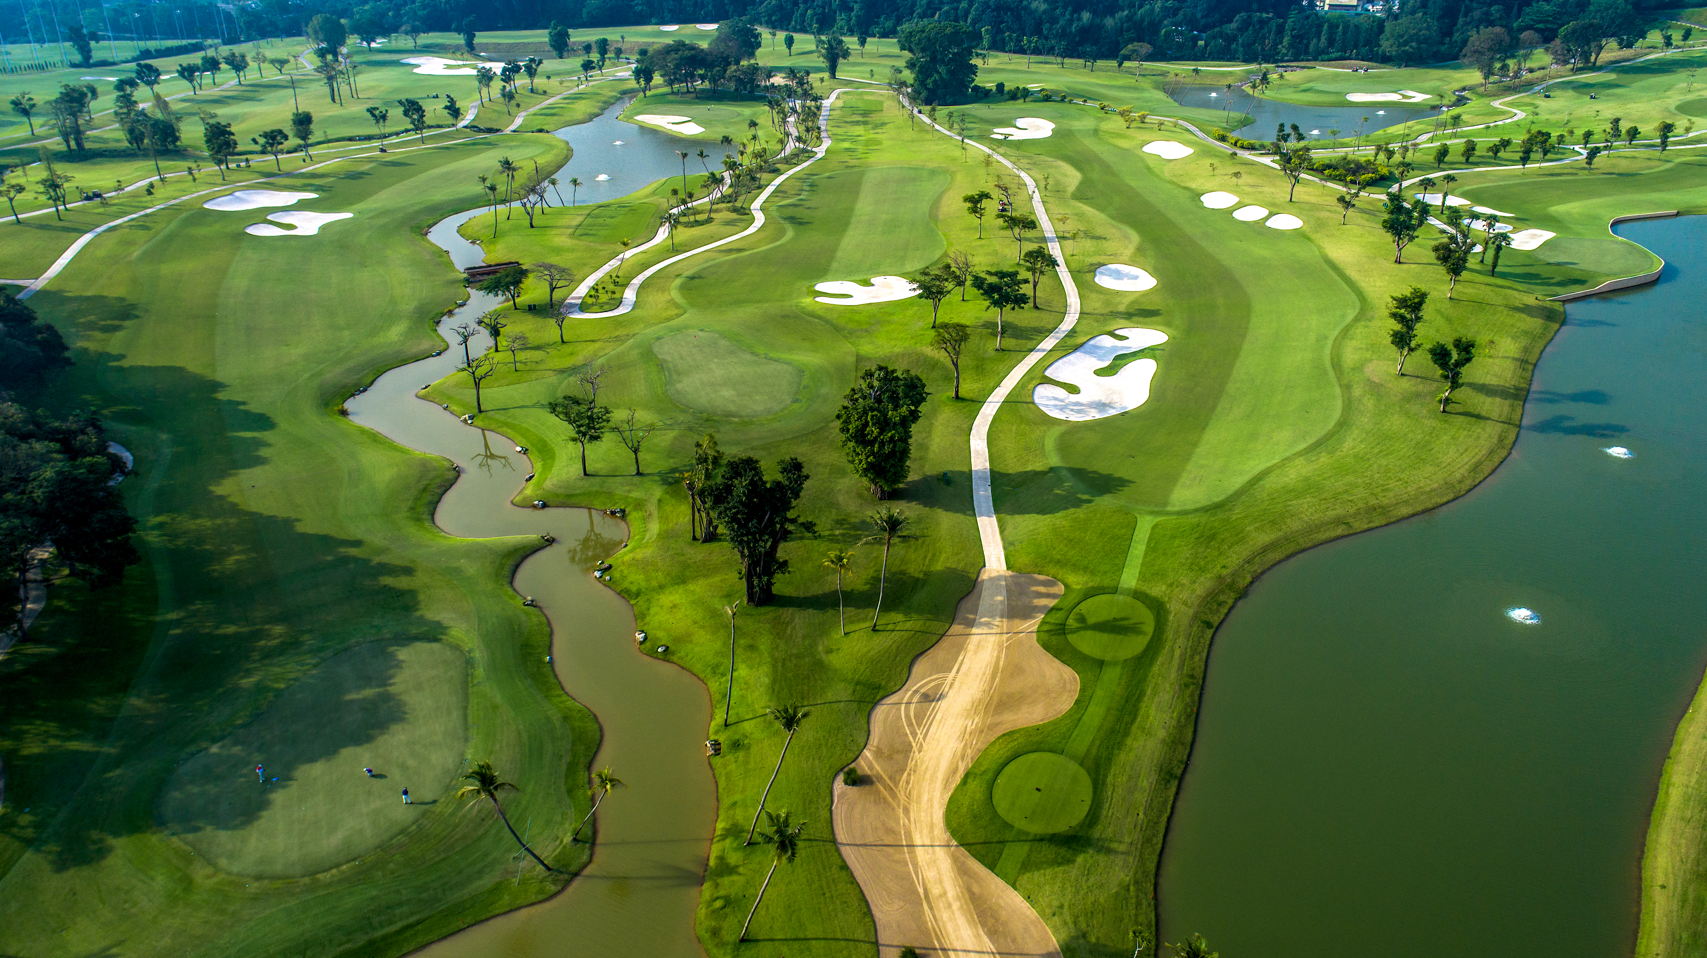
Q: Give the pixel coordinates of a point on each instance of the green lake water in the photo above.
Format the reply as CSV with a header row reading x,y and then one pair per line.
x,y
1386,764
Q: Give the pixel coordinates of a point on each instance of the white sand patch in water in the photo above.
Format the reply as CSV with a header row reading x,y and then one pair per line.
x,y
1619,452
1403,96
1523,615
303,223
1530,239
1168,149
1283,221
668,121
602,177
1123,277
1024,128
1219,199
1250,214
1100,396
441,67
1435,199
883,289
671,28
1489,211
256,199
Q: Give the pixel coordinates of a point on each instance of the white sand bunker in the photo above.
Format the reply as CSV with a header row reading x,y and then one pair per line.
x,y
706,26
1403,96
675,124
1619,452
1100,396
97,78
1523,615
1121,276
671,28
1219,200
1437,199
1168,149
883,289
1024,128
1250,214
441,67
1034,86
1488,227
256,199
1283,221
1490,211
303,222
1530,239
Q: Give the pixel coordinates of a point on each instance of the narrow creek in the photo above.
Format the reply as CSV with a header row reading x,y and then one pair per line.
x,y
639,894
1389,761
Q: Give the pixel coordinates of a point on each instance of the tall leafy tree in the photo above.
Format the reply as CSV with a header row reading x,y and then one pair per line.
x,y
940,58
302,127
1402,222
507,283
416,115
1037,261
877,418
484,782
220,142
788,717
1453,255
1017,223
833,50
29,348
1001,289
557,37
1406,311
950,339
976,204
587,421
272,141
25,106
934,283
1451,361
756,514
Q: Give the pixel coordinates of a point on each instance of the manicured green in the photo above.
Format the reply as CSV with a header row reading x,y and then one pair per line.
x,y
1042,793
1111,626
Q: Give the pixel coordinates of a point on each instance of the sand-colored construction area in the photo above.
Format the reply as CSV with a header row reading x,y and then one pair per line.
x,y
985,677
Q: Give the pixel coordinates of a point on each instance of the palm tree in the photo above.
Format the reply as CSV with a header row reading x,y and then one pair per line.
x,y
574,189
888,523
684,156
1193,947
784,838
839,560
789,717
729,692
603,782
486,784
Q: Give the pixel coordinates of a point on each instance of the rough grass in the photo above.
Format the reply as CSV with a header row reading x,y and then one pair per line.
x,y
1674,864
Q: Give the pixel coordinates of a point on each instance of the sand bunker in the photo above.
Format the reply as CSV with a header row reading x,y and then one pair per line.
x,y
1024,128
1488,227
1526,616
303,222
1168,149
675,124
1250,214
1283,221
706,26
1489,211
1619,452
1530,239
1436,199
671,28
1403,96
1121,276
1034,86
1219,200
883,289
1100,396
98,78
256,199
441,67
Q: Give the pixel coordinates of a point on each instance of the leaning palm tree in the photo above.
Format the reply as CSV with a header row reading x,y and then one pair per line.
x,y
603,782
789,717
486,784
784,838
729,692
1193,947
888,523
839,560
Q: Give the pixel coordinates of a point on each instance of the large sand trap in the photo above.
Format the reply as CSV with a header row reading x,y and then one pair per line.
x,y
441,67
1024,128
1283,221
1250,214
1436,199
706,26
1168,149
1530,239
1100,396
256,199
883,289
1121,276
1219,200
303,222
1403,96
675,124
1489,211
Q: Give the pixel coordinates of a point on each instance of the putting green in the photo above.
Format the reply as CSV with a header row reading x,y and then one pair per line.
x,y
1042,793
705,371
1696,107
1111,626
398,709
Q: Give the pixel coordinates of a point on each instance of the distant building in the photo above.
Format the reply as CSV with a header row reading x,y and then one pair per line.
x,y
1350,6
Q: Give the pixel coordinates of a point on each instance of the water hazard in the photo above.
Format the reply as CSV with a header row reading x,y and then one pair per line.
x,y
1390,763
1316,122
639,894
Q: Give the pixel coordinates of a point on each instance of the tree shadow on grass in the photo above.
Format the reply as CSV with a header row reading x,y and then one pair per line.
x,y
231,606
1025,492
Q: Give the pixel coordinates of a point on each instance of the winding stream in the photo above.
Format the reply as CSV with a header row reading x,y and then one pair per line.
x,y
1387,764
638,895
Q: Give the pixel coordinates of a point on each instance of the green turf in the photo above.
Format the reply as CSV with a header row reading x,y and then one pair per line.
x,y
1111,626
1042,793
707,372
1674,860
